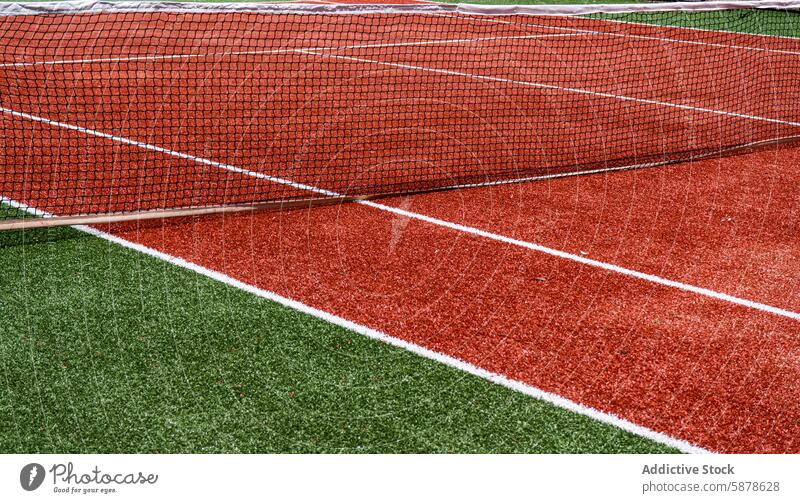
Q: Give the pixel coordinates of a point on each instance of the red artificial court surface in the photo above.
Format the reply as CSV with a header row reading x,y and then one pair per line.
x,y
721,376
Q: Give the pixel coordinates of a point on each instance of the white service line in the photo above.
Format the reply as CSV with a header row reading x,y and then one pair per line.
x,y
497,20
122,59
551,87
651,278
501,380
705,30
628,35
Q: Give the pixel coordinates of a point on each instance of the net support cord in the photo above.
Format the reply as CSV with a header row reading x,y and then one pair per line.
x,y
63,221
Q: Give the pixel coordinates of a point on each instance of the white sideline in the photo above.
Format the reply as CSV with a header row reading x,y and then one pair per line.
x,y
166,151
431,220
551,87
526,389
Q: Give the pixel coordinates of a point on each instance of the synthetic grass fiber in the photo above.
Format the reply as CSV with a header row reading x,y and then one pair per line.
x,y
107,350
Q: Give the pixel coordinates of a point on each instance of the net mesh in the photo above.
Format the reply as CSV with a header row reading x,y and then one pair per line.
x,y
143,108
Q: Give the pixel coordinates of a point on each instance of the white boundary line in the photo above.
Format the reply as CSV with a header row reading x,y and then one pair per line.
x,y
526,389
651,278
475,17
551,87
705,30
166,151
640,37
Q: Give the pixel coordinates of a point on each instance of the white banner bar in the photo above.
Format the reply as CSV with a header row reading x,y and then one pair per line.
x,y
378,478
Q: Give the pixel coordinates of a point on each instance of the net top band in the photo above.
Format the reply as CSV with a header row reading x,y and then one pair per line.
x,y
92,6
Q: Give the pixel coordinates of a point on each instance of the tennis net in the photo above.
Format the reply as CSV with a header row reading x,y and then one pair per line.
x,y
134,108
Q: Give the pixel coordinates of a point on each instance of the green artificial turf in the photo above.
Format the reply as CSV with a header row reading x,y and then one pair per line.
x,y
104,349
757,21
